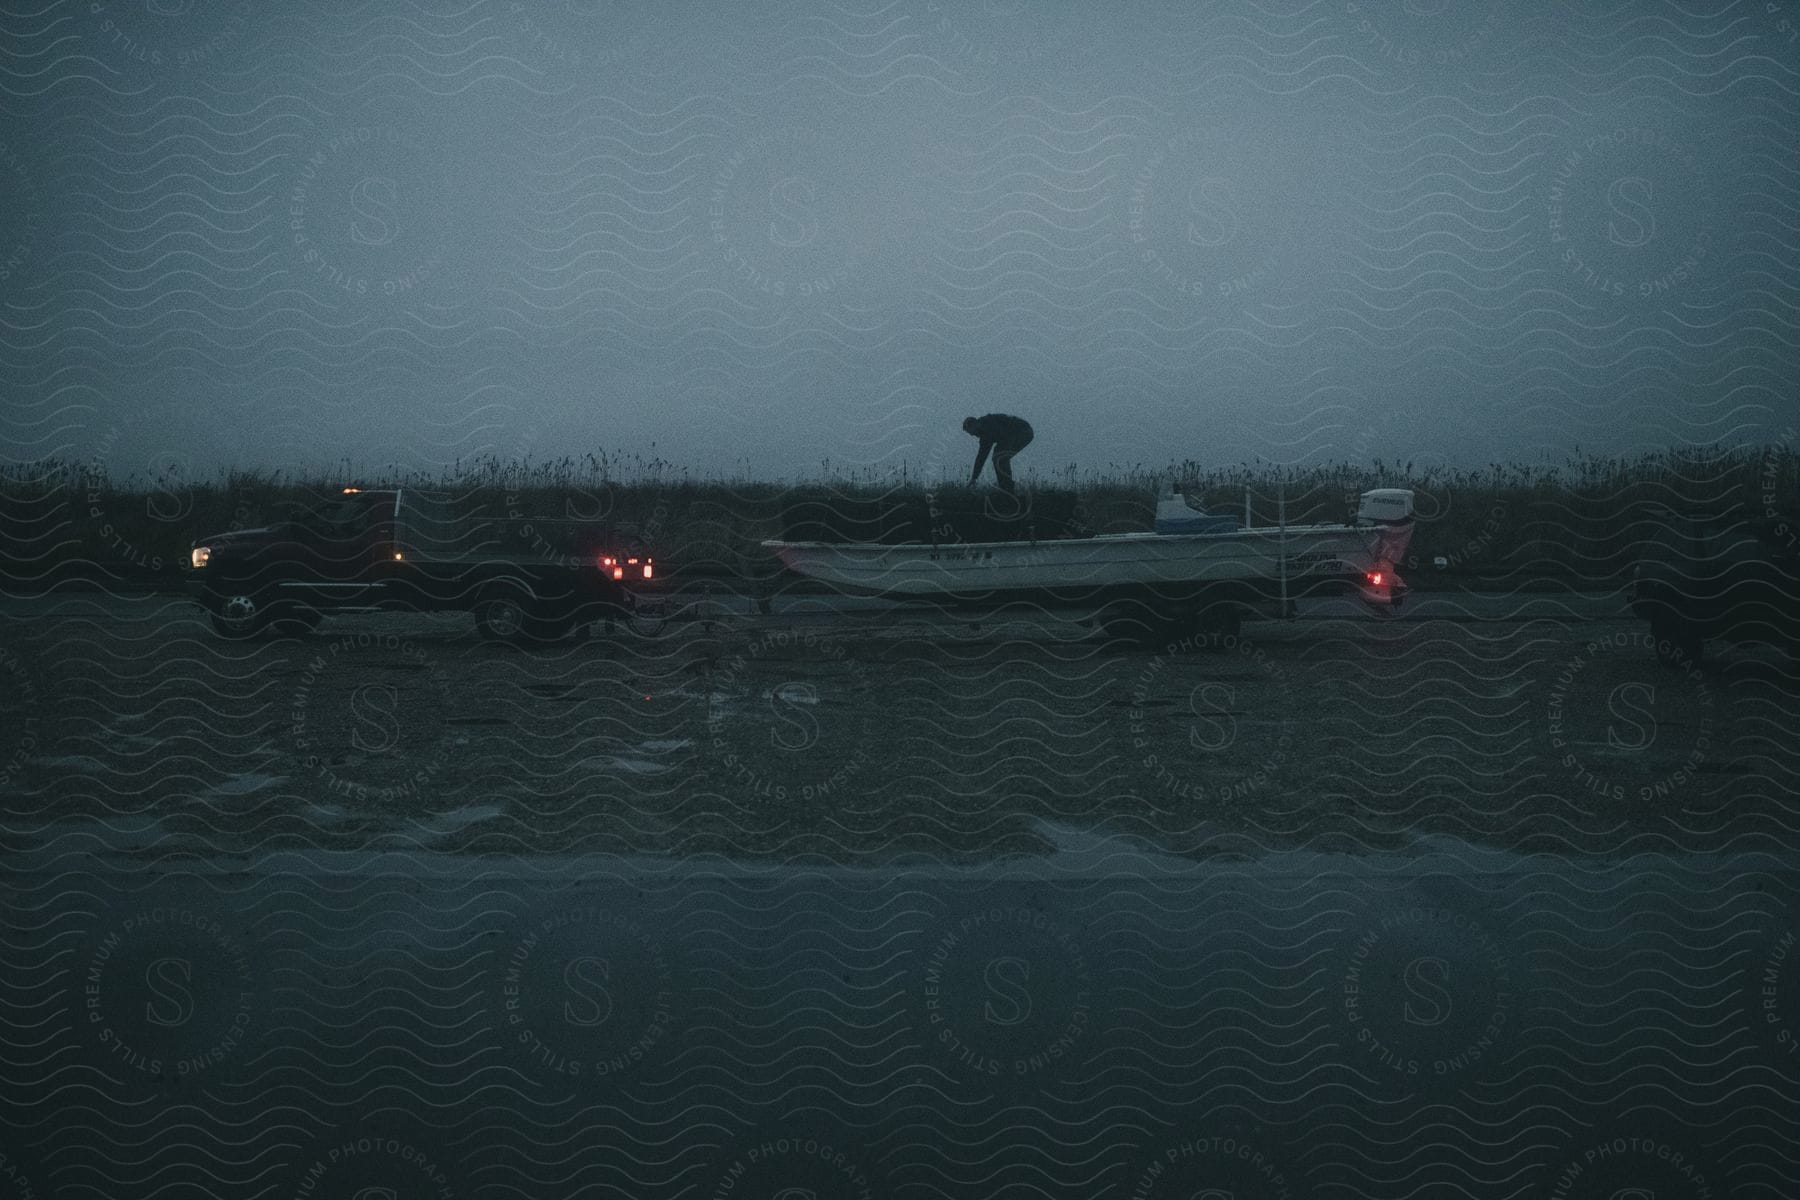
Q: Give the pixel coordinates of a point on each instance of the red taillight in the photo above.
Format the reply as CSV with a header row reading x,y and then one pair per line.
x,y
617,566
1375,578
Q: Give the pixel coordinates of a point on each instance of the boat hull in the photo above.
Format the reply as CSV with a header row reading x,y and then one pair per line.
x,y
1242,563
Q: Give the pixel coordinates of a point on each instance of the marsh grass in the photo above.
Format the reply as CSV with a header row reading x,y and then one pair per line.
x,y
1584,519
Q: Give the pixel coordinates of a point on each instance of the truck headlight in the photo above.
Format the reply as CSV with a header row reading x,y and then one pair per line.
x,y
199,556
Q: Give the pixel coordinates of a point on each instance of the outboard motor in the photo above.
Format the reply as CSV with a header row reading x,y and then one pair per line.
x,y
1385,506
1387,513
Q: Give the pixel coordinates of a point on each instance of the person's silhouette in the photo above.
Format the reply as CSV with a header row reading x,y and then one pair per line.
x,y
1005,436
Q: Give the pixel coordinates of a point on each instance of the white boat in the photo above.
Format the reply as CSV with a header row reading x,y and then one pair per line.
x,y
1188,556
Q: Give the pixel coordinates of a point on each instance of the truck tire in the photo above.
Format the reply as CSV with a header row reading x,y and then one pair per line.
x,y
241,617
512,619
1679,642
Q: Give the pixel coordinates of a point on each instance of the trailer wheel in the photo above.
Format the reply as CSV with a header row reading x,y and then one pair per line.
x,y
1679,642
1131,622
1223,620
1210,628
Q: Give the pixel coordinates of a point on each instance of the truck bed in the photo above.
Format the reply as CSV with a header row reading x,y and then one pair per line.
x,y
429,530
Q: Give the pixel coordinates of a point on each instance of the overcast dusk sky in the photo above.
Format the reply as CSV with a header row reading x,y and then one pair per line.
x,y
757,237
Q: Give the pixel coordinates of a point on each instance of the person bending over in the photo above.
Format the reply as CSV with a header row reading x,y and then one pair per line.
x,y
1005,436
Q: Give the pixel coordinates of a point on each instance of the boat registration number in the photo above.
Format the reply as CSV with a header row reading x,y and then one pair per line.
x,y
1302,564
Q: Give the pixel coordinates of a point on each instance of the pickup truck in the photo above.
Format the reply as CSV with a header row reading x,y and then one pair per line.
x,y
1726,576
525,581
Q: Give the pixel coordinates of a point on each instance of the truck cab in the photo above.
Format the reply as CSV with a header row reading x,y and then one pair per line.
x,y
524,580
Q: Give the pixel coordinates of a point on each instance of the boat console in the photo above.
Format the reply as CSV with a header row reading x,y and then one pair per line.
x,y
1175,515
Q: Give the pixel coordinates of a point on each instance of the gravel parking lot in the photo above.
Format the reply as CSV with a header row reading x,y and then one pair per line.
x,y
869,734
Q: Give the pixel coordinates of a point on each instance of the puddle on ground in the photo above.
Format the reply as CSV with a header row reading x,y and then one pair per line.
x,y
604,763
87,764
793,694
447,822
1072,853
241,785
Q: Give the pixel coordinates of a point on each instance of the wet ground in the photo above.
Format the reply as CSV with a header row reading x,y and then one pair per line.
x,y
871,734
1483,901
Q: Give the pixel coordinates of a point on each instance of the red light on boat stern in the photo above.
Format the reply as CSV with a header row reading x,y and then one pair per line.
x,y
1375,578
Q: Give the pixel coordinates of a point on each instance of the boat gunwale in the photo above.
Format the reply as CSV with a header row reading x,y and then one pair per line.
x,y
1104,539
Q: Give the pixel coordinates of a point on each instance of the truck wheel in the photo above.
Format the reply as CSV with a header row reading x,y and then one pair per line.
x,y
508,618
240,617
501,619
1679,642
